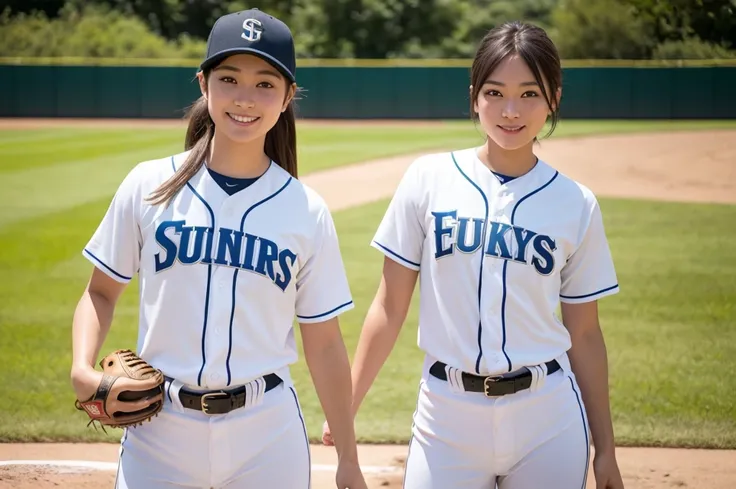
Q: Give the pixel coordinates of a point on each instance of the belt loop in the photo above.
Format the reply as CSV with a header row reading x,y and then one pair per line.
x,y
172,388
254,391
455,379
539,375
248,395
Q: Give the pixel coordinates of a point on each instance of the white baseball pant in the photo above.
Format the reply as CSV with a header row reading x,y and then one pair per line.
x,y
246,448
537,438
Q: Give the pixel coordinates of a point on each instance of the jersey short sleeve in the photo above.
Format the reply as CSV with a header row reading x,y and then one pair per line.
x,y
400,234
589,273
115,246
322,289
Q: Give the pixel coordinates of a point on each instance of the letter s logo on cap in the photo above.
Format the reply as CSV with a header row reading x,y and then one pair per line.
x,y
251,30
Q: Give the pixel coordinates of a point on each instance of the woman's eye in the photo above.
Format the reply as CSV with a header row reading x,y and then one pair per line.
x,y
228,79
493,93
265,85
530,93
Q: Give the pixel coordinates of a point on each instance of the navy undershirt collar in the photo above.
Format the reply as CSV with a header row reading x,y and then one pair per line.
x,y
504,179
231,185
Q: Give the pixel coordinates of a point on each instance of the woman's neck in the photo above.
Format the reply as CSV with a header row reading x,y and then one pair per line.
x,y
237,160
512,163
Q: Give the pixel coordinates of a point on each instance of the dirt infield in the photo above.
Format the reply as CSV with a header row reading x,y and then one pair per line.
x,y
695,166
642,468
684,166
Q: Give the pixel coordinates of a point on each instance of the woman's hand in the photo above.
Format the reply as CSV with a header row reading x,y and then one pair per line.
x,y
327,435
86,380
607,474
349,475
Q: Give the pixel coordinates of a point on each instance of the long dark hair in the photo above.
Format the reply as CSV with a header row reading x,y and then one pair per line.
x,y
533,45
280,146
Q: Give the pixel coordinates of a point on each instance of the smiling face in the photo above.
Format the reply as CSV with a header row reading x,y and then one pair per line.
x,y
245,97
510,104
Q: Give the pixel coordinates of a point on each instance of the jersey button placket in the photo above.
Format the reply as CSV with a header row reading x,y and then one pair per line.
x,y
222,287
232,213
216,341
493,274
499,215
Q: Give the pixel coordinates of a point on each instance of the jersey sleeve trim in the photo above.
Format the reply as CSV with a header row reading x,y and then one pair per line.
x,y
575,299
326,315
105,268
395,256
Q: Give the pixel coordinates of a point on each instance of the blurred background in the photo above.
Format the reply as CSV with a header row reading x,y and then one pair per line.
x,y
373,29
137,58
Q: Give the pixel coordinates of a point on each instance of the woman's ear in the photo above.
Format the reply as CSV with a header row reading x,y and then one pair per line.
x,y
475,102
558,97
202,84
290,93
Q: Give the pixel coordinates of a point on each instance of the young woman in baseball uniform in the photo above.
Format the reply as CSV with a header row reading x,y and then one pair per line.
x,y
229,247
509,393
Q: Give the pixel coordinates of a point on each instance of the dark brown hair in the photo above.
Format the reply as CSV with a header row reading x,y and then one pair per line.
x,y
280,146
531,44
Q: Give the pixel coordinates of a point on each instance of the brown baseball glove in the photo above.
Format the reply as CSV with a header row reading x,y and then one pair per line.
x,y
120,403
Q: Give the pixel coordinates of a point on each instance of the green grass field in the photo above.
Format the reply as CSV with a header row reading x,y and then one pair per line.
x,y
45,171
671,332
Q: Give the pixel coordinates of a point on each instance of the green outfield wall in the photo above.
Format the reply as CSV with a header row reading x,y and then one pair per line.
x,y
357,92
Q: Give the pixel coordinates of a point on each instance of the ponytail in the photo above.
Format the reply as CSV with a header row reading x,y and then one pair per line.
x,y
281,141
200,131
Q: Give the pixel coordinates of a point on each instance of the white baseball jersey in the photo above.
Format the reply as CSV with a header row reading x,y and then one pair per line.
x,y
222,277
495,259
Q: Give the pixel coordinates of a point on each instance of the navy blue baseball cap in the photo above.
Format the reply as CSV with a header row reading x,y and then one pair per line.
x,y
252,32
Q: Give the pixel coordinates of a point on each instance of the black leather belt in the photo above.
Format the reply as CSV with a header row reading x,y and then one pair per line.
x,y
221,401
494,385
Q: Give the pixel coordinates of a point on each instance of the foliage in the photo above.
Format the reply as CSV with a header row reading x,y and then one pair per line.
x,y
374,29
691,48
600,29
91,31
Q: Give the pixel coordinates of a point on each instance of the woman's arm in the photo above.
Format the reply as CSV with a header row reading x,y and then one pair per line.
x,y
589,362
329,366
380,330
92,319
381,327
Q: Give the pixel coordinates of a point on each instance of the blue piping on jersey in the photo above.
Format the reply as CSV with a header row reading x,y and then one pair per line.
x,y
325,313
106,266
585,430
397,255
505,265
588,295
480,274
235,274
209,278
